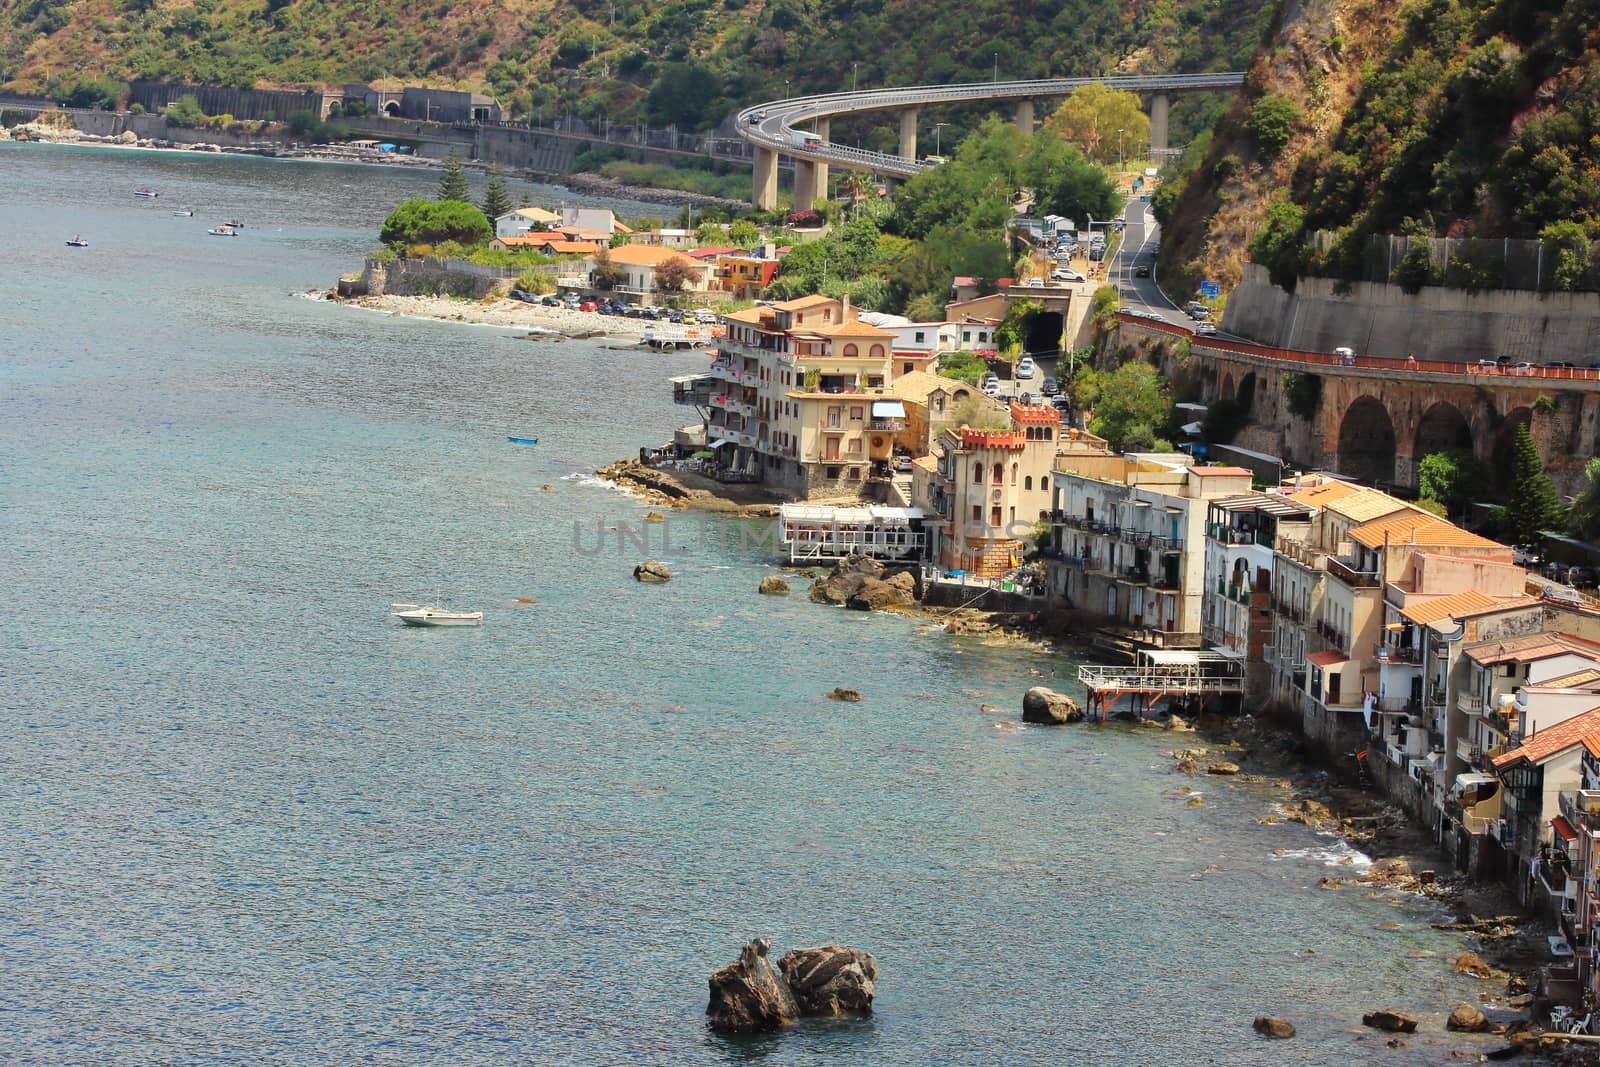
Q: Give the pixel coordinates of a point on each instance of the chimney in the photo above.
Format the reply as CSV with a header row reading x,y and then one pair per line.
x,y
844,316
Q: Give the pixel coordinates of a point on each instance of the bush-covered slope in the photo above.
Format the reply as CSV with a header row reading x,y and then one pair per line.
x,y
1437,117
684,61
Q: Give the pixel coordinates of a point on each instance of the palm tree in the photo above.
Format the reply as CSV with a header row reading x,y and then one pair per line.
x,y
858,185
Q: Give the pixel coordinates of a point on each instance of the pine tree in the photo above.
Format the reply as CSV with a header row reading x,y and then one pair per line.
x,y
453,186
496,200
1533,505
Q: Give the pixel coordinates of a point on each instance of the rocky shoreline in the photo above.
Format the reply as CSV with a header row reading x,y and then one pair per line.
x,y
544,323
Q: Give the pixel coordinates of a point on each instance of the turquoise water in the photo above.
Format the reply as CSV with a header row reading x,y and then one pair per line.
x,y
247,818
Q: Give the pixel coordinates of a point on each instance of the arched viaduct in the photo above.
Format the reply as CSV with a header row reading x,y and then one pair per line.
x,y
1376,423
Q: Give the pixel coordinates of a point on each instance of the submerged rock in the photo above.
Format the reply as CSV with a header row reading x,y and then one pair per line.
x,y
1049,708
749,996
1395,1022
652,570
846,696
772,585
831,980
1271,1027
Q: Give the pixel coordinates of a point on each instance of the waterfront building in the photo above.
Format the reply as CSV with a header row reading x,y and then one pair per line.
x,y
1533,776
743,274
549,244
519,221
806,408
1570,873
932,403
1236,608
639,264
988,490
1127,538
916,345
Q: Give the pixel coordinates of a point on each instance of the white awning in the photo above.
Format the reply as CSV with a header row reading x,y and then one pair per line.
x,y
722,442
1192,429
888,409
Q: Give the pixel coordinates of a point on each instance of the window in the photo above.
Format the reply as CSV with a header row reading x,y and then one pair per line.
x,y
1027,483
977,472
977,513
855,445
855,414
919,341
994,516
906,368
854,473
850,350
938,403
832,472
1014,474
876,351
874,381
834,415
966,336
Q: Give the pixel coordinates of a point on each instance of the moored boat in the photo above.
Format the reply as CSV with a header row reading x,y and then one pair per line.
x,y
223,231
77,242
422,615
523,440
146,194
184,214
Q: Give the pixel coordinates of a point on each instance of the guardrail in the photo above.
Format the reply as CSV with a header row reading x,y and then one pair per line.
x,y
1384,363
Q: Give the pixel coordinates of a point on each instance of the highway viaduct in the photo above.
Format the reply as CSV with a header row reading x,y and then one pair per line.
x,y
774,129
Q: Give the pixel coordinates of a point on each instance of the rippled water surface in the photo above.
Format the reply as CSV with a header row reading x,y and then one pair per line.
x,y
245,817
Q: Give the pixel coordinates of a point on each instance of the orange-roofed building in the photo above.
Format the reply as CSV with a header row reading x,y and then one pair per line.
x,y
744,274
1535,828
639,264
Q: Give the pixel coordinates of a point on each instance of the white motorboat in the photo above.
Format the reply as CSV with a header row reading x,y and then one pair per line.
x,y
223,231
184,214
145,194
423,615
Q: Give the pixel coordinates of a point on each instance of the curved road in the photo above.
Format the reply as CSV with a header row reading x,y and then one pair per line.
x,y
774,125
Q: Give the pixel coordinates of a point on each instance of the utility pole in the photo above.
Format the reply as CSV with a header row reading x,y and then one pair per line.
x,y
855,71
996,67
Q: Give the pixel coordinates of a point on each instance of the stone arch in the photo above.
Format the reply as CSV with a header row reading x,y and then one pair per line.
x,y
1228,388
1246,396
392,109
1366,441
1442,428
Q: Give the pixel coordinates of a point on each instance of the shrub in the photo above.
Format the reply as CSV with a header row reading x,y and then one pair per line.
x,y
1272,122
419,221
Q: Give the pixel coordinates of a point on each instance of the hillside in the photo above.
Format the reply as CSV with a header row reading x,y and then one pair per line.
x,y
689,61
1429,117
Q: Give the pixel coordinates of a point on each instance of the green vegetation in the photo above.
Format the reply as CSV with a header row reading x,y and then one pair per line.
x,y
1532,506
605,274
426,222
453,183
1131,405
102,92
1272,122
1106,125
979,414
1583,519
963,366
496,200
706,182
1451,478
185,112
1304,393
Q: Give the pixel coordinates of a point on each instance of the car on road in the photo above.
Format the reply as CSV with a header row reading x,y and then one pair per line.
x,y
1205,328
991,388
1523,368
1035,283
1048,387
1025,367
1142,271
756,117
1062,274
1196,310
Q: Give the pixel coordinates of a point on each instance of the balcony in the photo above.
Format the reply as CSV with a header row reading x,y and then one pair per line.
x,y
1469,705
1347,574
1468,752
1396,654
1229,535
887,425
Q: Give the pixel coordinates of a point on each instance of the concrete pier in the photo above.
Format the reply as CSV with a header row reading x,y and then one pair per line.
x,y
765,195
1024,118
1159,105
908,133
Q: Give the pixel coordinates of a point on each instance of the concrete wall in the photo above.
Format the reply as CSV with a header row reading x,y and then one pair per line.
x,y
430,275
1443,324
240,103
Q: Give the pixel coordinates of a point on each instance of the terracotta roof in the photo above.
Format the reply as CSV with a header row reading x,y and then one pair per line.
x,y
646,255
927,463
753,316
1530,648
1592,743
1327,659
1365,504
853,328
1320,495
919,385
618,226
1035,414
1446,607
1552,740
709,251
570,248
1586,678
1216,472
800,303
1506,604
1418,528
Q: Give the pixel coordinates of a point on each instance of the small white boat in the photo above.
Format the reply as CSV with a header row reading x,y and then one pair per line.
x,y
421,615
223,231
146,194
184,214
77,242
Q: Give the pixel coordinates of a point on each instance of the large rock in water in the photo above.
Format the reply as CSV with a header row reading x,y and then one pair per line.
x,y
772,585
749,995
845,580
1270,1027
1467,1019
877,594
831,980
1396,1022
1049,707
652,570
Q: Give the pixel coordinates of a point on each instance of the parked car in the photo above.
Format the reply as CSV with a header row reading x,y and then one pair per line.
x,y
589,305
551,301
1062,274
1035,283
1523,368
1061,402
1142,271
1048,387
524,296
1025,367
1556,572
991,387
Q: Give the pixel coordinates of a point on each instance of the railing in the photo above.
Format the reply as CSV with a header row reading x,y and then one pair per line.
x,y
1158,679
1349,575
888,425
1397,654
1411,368
1468,751
1470,705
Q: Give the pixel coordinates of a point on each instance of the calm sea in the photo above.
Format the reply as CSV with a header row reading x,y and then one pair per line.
x,y
245,817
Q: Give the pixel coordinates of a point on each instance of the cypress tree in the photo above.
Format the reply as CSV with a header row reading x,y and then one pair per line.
x,y
1533,505
496,200
453,186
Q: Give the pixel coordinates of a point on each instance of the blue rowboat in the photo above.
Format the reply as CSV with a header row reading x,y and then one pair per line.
x,y
523,440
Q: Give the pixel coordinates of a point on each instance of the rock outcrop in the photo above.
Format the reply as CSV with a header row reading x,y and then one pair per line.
x,y
1475,965
749,996
652,570
1049,708
1223,768
1468,1019
880,594
831,980
1271,1027
1395,1022
845,696
772,585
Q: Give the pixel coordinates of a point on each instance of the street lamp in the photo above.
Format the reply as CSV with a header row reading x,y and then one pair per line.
x,y
855,71
936,127
786,88
1121,162
996,66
